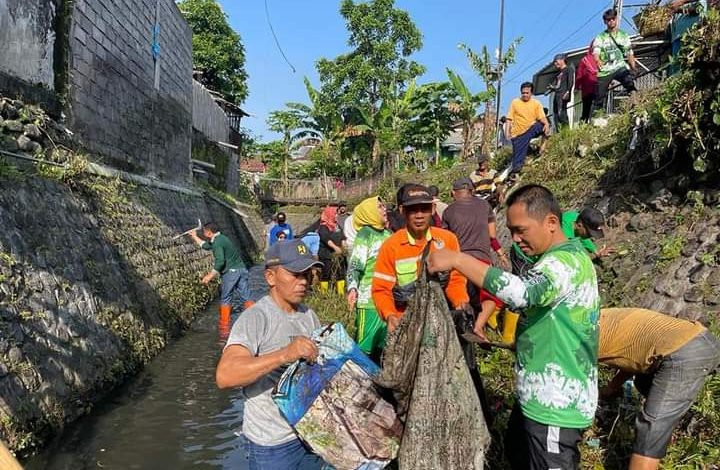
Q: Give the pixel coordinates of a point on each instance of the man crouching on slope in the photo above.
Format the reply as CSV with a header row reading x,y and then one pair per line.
x,y
557,335
268,336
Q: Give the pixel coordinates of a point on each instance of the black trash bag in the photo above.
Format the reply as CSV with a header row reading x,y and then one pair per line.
x,y
424,366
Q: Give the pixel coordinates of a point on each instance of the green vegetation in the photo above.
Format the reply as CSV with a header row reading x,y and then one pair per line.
x,y
369,114
217,50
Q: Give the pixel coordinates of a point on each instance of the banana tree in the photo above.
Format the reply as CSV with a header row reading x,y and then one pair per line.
x,y
464,105
385,126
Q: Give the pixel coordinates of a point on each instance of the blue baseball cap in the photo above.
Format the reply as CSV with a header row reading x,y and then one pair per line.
x,y
292,255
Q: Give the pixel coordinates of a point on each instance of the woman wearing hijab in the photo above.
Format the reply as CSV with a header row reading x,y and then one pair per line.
x,y
330,252
369,219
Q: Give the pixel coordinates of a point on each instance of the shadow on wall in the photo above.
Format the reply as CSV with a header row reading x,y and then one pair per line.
x,y
92,285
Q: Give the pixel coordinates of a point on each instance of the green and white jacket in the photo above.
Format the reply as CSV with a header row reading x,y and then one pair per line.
x,y
612,52
361,265
557,337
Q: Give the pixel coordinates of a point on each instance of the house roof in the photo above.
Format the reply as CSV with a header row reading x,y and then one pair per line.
x,y
252,166
641,47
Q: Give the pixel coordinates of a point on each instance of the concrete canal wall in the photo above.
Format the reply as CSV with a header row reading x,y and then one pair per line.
x,y
93,285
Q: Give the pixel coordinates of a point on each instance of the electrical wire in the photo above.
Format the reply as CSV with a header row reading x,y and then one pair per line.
x,y
552,25
556,46
277,43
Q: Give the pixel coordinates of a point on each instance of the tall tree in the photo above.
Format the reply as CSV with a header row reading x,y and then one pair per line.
x,y
217,50
490,73
378,67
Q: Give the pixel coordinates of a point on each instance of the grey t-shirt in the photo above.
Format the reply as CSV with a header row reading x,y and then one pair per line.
x,y
262,329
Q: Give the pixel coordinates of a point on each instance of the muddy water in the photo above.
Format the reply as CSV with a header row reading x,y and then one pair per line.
x,y
170,416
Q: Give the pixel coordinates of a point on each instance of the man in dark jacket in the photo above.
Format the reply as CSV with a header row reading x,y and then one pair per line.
x,y
562,86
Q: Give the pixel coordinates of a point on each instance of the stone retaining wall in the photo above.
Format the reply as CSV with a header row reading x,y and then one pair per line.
x,y
92,285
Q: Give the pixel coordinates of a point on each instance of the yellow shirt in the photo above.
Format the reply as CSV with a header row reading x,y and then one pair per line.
x,y
523,115
635,339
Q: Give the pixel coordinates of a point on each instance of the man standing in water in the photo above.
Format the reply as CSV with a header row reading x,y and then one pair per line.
x,y
557,338
270,335
234,288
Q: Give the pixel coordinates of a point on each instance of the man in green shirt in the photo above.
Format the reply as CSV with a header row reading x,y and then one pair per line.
x,y
613,52
557,339
585,226
234,287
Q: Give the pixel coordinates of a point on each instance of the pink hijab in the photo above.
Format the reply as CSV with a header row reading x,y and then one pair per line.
x,y
328,218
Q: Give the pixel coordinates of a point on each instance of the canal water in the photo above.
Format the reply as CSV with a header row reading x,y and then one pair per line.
x,y
170,416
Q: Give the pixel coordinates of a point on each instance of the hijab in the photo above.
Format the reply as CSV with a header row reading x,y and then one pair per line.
x,y
328,218
367,214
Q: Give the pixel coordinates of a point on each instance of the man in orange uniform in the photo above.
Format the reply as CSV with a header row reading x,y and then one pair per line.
x,y
398,260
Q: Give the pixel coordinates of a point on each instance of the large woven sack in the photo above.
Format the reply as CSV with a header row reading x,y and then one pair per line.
x,y
334,405
424,365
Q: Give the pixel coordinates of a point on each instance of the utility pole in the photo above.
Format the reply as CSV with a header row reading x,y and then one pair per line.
x,y
500,71
618,6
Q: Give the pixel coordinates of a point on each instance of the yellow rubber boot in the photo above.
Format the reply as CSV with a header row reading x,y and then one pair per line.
x,y
340,286
493,319
509,326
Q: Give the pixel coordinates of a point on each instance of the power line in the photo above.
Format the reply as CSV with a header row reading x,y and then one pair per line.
x,y
552,25
277,43
556,46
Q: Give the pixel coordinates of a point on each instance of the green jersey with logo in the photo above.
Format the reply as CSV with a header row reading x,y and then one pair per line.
x,y
557,336
612,49
361,265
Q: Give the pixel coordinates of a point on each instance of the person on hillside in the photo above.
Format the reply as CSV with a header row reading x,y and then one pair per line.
x,y
331,249
438,206
669,359
229,266
472,220
281,226
527,121
585,226
614,55
397,265
272,334
556,367
369,219
562,88
586,80
487,184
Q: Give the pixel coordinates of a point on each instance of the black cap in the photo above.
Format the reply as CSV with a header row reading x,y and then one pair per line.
x,y
462,183
482,158
560,56
415,194
292,255
593,220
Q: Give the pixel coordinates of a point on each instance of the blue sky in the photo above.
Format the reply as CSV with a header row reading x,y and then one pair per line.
x,y
310,29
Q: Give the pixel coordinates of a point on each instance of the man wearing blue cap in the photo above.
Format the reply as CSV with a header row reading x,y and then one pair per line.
x,y
267,337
